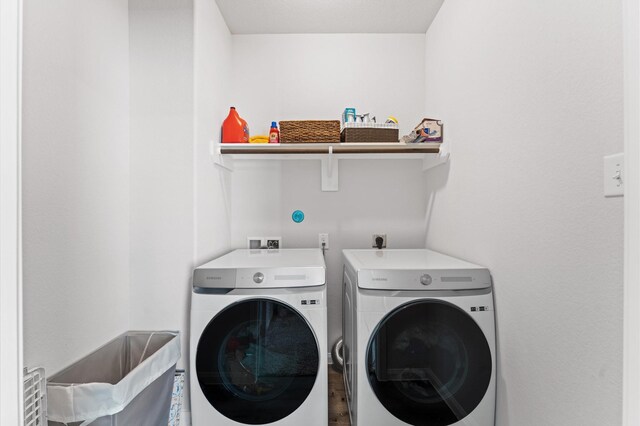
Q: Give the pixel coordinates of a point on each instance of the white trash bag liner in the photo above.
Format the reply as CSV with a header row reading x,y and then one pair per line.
x,y
105,382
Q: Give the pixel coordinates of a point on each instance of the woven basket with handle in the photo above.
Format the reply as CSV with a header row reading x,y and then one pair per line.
x,y
369,135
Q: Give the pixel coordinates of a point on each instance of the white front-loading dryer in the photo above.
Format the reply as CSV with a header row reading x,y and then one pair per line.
x,y
419,339
258,351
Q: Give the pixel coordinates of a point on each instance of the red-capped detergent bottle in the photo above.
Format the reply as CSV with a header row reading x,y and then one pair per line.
x,y
234,128
274,133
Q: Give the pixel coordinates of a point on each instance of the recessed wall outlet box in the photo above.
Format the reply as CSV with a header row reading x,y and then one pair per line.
x,y
264,242
273,242
614,175
254,243
323,238
377,243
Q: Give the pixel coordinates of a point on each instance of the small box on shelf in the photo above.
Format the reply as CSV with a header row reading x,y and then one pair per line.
x,y
369,132
431,130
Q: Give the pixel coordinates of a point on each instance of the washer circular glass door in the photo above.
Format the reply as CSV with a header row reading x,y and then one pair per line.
x,y
429,363
257,361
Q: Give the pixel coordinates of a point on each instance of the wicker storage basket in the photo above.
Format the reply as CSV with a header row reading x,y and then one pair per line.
x,y
369,135
310,131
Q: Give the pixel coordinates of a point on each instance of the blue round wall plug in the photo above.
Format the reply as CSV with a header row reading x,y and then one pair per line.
x,y
297,216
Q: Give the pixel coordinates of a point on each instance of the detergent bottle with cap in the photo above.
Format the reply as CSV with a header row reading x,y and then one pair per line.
x,y
234,128
274,133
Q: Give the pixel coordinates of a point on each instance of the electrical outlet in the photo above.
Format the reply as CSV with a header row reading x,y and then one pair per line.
x,y
254,243
323,238
264,242
375,244
273,243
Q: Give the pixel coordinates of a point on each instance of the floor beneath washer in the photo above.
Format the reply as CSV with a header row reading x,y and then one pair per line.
x,y
338,412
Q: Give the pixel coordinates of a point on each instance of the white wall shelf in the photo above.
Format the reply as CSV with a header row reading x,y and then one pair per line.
x,y
224,155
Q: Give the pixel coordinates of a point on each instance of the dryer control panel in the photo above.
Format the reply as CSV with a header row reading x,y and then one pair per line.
x,y
438,279
415,269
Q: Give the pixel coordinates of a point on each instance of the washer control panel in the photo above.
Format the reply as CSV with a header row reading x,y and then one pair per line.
x,y
242,268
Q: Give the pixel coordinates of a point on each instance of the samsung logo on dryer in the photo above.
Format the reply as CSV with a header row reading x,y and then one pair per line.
x,y
379,279
214,278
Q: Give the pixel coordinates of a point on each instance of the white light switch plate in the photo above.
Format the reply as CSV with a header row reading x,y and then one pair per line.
x,y
614,175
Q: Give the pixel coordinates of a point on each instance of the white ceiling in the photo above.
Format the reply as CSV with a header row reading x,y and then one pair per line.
x,y
328,16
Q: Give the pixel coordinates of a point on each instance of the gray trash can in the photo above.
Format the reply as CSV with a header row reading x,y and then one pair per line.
x,y
128,381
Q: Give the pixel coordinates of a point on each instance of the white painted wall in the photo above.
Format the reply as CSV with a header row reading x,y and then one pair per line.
x,y
369,201
316,77
531,97
75,178
212,90
161,165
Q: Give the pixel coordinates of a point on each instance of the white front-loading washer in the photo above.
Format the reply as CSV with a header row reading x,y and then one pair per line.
x,y
258,343
419,339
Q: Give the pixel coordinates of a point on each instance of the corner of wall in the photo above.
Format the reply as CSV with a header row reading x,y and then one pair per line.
x,y
212,79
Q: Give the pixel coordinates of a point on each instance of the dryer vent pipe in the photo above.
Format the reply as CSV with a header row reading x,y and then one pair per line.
x,y
336,356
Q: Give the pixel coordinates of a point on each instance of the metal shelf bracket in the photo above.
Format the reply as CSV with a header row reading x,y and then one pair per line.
x,y
431,161
330,172
219,160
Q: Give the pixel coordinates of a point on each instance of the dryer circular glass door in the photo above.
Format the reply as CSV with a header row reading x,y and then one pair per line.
x,y
429,363
257,361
